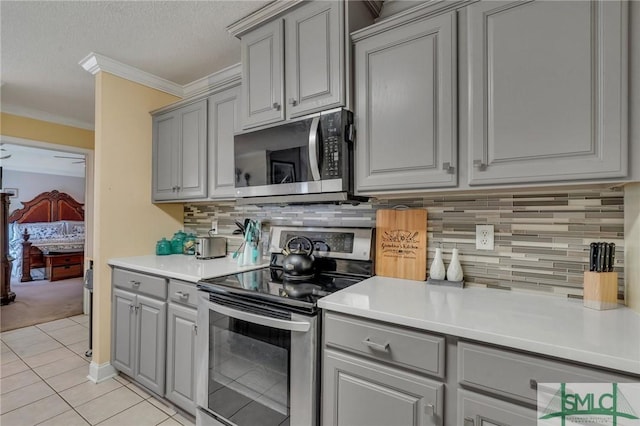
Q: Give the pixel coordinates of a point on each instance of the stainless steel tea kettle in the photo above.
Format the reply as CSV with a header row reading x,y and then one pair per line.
x,y
298,262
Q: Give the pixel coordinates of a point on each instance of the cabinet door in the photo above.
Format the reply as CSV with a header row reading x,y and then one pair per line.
x,y
181,339
151,328
193,151
480,410
165,155
547,91
263,75
359,392
123,331
406,107
314,53
224,121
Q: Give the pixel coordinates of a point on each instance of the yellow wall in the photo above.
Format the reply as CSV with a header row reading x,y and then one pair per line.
x,y
126,222
632,245
44,131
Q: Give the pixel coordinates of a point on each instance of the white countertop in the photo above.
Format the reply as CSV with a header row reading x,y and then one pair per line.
x,y
543,324
181,267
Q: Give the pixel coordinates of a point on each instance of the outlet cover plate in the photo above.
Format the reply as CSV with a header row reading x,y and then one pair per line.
x,y
484,237
214,227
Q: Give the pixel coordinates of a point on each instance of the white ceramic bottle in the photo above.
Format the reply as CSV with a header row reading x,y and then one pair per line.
x,y
454,271
437,271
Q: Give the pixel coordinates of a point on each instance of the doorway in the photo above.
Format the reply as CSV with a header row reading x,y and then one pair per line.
x,y
30,168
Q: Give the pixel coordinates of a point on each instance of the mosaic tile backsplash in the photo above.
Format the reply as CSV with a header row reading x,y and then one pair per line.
x,y
541,239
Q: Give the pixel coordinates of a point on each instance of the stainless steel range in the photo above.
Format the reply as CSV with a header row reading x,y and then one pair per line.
x,y
259,357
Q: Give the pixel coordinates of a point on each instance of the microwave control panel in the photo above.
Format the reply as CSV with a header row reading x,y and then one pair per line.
x,y
332,128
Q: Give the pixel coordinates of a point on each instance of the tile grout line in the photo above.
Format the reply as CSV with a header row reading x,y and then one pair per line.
x,y
58,393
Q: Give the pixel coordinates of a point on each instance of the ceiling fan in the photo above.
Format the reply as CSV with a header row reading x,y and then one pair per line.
x,y
82,159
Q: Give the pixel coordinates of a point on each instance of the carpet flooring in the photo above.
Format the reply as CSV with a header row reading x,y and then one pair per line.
x,y
42,301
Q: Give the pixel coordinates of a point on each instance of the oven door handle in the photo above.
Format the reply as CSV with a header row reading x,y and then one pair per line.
x,y
259,319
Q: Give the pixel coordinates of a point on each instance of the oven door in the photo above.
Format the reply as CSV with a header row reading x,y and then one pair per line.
x,y
256,365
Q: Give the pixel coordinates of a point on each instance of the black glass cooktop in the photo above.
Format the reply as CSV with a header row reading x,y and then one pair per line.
x,y
271,286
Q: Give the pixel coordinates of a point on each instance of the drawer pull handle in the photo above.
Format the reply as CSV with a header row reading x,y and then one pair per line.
x,y
135,283
181,295
481,165
430,410
377,346
468,421
533,384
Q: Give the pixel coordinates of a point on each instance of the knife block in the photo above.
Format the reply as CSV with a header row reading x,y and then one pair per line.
x,y
601,290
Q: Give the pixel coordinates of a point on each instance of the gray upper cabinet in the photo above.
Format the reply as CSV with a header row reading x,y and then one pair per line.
x,y
547,91
314,54
180,153
298,63
262,53
223,122
406,106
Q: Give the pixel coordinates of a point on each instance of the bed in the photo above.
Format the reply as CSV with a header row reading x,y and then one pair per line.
x,y
51,224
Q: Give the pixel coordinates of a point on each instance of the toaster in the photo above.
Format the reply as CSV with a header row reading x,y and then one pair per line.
x,y
211,247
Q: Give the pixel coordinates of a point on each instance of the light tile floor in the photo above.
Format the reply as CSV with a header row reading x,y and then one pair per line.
x,y
43,381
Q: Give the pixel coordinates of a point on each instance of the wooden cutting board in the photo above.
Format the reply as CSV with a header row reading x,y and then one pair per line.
x,y
401,243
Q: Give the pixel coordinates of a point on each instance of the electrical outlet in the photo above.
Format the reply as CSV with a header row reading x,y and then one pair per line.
x,y
484,237
214,227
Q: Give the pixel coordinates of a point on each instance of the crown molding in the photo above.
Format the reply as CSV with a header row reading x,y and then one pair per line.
x,y
266,13
220,80
94,63
45,116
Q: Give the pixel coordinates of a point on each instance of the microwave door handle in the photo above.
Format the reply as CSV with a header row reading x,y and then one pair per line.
x,y
313,149
259,319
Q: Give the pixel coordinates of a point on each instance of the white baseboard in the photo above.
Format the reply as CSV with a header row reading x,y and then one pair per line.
x,y
102,372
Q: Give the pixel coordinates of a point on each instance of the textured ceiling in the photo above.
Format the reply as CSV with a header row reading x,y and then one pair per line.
x,y
41,43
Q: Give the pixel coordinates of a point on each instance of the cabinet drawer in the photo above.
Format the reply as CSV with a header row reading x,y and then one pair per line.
x,y
65,271
72,259
405,348
141,283
184,293
516,375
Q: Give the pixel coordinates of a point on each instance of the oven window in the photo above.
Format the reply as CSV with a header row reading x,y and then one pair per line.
x,y
249,370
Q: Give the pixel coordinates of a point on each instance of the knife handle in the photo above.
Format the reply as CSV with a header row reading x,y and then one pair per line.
x,y
593,256
607,256
600,263
612,256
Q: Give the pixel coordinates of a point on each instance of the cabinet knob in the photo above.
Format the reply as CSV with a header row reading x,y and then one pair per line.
x,y
178,188
468,421
377,346
480,165
293,102
181,295
195,329
533,384
276,106
447,167
430,410
135,283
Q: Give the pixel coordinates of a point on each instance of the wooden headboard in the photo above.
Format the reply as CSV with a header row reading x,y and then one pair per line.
x,y
49,207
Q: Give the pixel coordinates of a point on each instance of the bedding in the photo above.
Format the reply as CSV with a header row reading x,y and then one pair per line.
x,y
46,236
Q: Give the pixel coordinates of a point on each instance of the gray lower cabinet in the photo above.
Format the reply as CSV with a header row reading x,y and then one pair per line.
x,y
479,410
361,392
223,122
139,338
180,153
406,105
547,90
181,352
374,374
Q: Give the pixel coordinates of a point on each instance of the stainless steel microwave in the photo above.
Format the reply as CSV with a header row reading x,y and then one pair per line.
x,y
304,161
